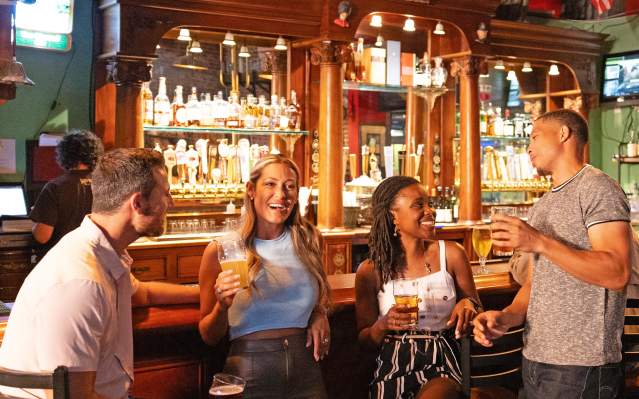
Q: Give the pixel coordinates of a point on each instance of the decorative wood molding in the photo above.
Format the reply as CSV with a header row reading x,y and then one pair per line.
x,y
276,61
330,52
126,72
467,66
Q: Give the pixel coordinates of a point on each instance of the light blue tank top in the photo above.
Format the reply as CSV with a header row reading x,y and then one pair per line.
x,y
285,291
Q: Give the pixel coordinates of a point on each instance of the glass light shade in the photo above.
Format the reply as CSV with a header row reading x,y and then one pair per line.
x,y
184,35
527,67
244,53
500,65
511,75
376,21
12,71
409,25
280,44
554,70
379,41
439,29
229,39
195,47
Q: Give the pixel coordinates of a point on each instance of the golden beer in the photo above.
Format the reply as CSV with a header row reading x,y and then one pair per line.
x,y
482,242
239,266
226,392
407,304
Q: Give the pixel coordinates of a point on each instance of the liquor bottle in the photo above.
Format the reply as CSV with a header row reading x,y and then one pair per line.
x,y
433,201
490,116
206,111
177,109
283,124
220,110
483,119
275,113
294,113
233,118
162,105
455,203
264,113
499,123
147,103
438,74
193,108
509,127
632,148
448,207
358,59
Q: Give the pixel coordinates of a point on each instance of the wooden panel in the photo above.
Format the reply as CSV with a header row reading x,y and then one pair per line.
x,y
168,380
337,257
188,267
150,269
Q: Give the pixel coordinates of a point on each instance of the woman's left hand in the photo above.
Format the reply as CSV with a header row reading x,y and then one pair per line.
x,y
462,316
318,334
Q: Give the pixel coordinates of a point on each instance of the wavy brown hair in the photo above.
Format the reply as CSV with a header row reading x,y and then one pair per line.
x,y
306,238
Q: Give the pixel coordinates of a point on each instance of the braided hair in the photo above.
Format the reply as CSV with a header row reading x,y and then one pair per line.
x,y
386,251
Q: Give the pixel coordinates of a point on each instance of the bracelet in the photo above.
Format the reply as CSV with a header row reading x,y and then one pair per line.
x,y
478,307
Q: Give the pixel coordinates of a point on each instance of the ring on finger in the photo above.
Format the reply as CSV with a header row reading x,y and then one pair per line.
x,y
218,290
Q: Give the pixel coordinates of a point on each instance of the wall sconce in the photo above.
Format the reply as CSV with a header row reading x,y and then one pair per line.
x,y
195,47
527,67
379,41
184,35
376,21
482,32
439,29
229,39
409,25
244,53
554,70
511,75
280,44
500,65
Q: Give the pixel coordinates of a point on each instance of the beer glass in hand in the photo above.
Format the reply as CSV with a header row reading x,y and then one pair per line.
x,y
506,211
232,256
405,292
482,241
226,386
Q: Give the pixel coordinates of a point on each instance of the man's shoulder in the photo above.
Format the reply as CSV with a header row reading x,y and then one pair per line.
x,y
74,256
596,177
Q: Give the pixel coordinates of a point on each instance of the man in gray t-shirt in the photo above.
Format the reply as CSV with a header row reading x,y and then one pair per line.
x,y
574,299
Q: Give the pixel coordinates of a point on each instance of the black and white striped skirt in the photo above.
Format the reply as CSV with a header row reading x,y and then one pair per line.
x,y
406,362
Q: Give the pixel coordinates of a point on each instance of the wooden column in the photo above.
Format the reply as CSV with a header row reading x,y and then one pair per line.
x,y
128,76
467,68
7,9
329,56
415,112
278,88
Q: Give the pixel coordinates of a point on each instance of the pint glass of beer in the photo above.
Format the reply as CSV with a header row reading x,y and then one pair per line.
x,y
507,211
231,252
226,386
405,292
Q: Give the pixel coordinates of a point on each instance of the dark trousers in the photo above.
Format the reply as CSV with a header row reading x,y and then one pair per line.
x,y
549,381
279,368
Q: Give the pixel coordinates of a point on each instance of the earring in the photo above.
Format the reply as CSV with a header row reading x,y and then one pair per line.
x,y
396,231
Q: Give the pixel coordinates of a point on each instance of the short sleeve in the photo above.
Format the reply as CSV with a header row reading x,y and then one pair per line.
x,y
71,323
45,209
603,200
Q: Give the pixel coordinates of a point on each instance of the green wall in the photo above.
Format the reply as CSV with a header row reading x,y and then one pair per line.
x,y
607,124
65,77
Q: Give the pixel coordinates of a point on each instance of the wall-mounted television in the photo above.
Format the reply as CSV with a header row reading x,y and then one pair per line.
x,y
620,77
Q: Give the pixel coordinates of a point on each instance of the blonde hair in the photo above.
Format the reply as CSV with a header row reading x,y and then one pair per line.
x,y
306,238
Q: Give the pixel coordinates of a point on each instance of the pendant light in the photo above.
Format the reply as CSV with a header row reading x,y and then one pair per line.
x,y
280,44
185,35
439,29
409,25
554,70
229,39
527,67
376,21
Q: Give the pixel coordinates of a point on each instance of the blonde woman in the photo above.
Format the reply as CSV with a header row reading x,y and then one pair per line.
x,y
278,326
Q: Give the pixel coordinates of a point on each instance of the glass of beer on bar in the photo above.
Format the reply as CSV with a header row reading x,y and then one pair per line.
x,y
482,241
226,386
506,211
231,253
406,292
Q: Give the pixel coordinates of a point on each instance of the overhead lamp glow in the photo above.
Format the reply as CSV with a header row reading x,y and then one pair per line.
x,y
379,41
554,70
229,39
195,47
184,35
439,29
511,75
527,67
244,53
500,65
409,25
376,21
280,44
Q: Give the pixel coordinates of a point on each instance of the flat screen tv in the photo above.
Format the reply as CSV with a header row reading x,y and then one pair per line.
x,y
620,77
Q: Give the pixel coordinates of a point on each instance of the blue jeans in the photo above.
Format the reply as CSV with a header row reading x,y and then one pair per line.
x,y
550,381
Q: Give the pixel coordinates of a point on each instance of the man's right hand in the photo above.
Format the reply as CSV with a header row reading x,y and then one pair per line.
x,y
490,325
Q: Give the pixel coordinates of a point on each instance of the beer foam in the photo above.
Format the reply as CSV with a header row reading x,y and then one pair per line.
x,y
226,390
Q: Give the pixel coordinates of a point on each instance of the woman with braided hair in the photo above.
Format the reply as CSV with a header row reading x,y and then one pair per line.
x,y
417,358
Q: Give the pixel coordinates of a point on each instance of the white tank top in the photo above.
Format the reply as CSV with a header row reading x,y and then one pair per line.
x,y
436,292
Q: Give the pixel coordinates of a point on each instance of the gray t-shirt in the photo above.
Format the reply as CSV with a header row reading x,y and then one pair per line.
x,y
569,321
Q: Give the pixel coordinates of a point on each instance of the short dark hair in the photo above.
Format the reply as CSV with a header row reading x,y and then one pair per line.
x,y
78,146
572,119
121,173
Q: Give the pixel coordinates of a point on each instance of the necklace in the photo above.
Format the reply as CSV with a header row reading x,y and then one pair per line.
x,y
427,266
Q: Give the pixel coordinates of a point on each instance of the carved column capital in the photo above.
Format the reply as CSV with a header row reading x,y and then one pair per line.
x,y
277,61
466,66
330,52
128,72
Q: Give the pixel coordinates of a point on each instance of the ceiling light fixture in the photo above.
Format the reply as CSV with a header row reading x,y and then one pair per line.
x,y
184,35
244,53
280,44
499,64
409,25
376,21
195,47
439,29
554,70
229,39
527,67
511,75
379,41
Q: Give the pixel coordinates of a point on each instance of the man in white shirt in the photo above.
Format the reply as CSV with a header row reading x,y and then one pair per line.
x,y
74,308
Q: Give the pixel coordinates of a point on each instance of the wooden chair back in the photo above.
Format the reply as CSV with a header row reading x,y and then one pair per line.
x,y
58,380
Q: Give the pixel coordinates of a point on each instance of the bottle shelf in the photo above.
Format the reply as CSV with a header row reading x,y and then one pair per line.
x,y
158,130
622,159
516,186
500,138
419,90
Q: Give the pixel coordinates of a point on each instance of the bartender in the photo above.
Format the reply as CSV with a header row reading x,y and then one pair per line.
x,y
65,200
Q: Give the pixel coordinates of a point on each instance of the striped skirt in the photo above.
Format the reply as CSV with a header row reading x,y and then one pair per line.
x,y
405,364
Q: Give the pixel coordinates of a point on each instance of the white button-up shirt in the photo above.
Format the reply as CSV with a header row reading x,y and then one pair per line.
x,y
74,310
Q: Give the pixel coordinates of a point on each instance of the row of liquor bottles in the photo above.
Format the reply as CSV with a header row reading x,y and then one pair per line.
x,y
216,112
493,123
445,203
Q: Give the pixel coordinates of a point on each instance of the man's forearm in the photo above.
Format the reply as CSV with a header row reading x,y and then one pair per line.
x,y
519,307
165,293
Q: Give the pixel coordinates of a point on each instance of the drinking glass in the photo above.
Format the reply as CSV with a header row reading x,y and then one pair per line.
x,y
482,242
405,292
507,211
231,253
226,386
